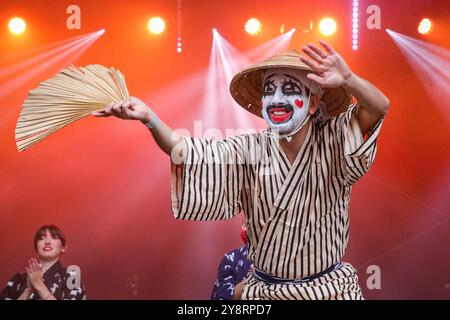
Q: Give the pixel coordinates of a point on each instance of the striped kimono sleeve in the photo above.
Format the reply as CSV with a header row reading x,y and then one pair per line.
x,y
207,183
358,153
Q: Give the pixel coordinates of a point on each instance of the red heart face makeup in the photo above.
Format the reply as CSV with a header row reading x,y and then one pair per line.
x,y
298,103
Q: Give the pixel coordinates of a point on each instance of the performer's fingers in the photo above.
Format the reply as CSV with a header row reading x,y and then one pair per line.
x,y
109,108
125,108
312,64
317,50
116,106
123,111
127,104
116,109
313,54
314,77
100,113
327,47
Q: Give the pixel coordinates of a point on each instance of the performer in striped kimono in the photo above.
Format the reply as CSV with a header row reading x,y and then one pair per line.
x,y
292,181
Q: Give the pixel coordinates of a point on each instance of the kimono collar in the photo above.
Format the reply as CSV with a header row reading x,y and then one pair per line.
x,y
54,269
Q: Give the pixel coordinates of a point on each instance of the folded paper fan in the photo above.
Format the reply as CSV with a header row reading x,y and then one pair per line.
x,y
72,94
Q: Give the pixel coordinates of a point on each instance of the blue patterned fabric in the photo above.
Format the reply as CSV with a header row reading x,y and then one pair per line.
x,y
232,269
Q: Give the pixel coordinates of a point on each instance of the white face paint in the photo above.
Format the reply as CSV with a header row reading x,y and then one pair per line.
x,y
285,102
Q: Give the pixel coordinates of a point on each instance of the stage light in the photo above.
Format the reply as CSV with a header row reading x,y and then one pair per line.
x,y
179,45
355,25
156,25
327,26
425,26
179,26
253,26
17,26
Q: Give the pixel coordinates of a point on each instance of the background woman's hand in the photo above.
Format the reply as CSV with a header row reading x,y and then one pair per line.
x,y
35,274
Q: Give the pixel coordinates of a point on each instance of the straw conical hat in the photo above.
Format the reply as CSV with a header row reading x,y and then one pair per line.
x,y
246,86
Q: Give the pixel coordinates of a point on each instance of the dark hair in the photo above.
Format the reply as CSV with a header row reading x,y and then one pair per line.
x,y
54,231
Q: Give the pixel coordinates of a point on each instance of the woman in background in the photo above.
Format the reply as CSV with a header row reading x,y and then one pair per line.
x,y
46,278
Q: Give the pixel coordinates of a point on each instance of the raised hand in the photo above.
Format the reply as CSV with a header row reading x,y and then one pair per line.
x,y
330,69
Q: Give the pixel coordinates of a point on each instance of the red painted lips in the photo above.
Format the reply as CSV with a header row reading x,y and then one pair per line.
x,y
280,114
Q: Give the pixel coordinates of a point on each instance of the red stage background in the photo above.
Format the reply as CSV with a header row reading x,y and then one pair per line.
x,y
106,183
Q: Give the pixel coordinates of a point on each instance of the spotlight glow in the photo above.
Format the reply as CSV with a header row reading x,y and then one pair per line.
x,y
430,64
253,26
156,25
327,26
425,26
16,76
17,26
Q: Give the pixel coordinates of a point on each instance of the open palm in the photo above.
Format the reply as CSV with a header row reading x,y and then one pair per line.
x,y
330,69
